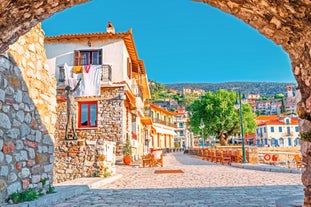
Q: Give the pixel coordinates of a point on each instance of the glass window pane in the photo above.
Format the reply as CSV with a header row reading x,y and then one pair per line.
x,y
84,114
95,58
85,58
93,110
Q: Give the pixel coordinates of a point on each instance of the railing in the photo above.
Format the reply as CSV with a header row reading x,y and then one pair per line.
x,y
137,92
286,134
106,74
159,121
105,77
283,159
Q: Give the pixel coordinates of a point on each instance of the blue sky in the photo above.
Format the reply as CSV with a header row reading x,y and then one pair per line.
x,y
181,40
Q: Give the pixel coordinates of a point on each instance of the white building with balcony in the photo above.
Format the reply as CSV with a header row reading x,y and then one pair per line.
x,y
113,89
278,131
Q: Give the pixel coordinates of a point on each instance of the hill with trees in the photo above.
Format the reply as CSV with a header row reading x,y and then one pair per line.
x,y
265,89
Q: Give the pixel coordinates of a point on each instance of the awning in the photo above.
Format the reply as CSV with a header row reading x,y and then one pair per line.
x,y
164,131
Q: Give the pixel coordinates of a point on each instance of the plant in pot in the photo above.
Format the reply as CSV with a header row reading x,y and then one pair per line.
x,y
127,152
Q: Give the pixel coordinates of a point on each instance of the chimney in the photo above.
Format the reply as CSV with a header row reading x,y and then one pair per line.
x,y
110,28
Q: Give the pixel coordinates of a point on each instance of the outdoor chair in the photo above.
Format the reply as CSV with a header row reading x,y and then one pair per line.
x,y
235,156
147,160
226,157
218,156
205,152
213,155
157,158
298,161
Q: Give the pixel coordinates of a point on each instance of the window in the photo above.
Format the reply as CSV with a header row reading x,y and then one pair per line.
x,y
287,121
88,114
296,129
129,68
181,133
88,57
280,129
272,129
180,125
61,74
288,130
264,129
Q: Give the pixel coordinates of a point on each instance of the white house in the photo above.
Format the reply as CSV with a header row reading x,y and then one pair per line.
x,y
277,131
113,89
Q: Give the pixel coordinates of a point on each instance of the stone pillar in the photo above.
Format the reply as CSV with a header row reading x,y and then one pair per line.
x,y
301,63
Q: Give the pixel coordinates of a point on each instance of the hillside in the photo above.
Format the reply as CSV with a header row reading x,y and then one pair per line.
x,y
265,89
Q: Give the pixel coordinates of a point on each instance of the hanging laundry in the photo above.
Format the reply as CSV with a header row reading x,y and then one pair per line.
x,y
87,68
68,71
77,69
90,85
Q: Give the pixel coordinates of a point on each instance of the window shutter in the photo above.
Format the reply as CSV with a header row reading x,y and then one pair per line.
x,y
77,57
100,57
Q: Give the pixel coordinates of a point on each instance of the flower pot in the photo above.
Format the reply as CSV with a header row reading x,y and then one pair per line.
x,y
127,159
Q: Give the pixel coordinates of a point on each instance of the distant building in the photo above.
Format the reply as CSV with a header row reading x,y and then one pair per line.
x,y
291,105
269,107
277,131
182,137
197,91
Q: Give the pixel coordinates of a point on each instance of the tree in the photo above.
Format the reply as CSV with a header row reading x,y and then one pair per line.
x,y
220,117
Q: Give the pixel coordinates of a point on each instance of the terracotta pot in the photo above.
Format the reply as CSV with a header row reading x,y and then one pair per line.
x,y
127,159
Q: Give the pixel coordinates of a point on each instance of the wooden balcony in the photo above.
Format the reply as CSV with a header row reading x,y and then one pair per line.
x,y
159,121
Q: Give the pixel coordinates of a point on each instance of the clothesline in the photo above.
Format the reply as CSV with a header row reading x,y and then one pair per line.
x,y
90,83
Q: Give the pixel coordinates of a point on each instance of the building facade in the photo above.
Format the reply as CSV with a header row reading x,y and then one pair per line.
x,y
163,128
182,138
109,100
277,131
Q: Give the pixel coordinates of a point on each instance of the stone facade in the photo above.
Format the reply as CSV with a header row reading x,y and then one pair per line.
x,y
27,116
96,147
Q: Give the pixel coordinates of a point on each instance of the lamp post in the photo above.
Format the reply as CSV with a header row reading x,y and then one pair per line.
x,y
238,105
202,127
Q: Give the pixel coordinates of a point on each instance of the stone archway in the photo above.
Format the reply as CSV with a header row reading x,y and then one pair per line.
x,y
286,23
18,17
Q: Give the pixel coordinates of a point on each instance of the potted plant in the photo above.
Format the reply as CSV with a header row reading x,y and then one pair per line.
x,y
127,152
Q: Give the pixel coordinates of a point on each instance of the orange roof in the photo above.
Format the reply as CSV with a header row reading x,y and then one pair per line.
x,y
275,120
158,108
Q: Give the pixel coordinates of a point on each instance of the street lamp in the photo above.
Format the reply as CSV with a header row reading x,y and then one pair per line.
x,y
238,105
202,127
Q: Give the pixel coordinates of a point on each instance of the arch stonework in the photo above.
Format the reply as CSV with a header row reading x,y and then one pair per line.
x,y
287,23
18,17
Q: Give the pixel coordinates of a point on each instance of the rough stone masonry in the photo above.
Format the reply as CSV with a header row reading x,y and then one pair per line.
x,y
27,117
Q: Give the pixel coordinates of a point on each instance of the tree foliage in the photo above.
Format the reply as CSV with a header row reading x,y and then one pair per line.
x,y
220,118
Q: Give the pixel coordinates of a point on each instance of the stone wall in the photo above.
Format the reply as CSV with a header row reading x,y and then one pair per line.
x,y
95,148
27,116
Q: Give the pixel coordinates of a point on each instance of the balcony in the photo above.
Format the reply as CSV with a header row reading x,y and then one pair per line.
x,y
159,121
106,75
287,134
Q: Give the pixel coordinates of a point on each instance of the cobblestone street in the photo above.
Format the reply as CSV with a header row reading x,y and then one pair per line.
x,y
201,184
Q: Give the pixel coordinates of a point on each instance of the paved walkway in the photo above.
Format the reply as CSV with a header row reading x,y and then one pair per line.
x,y
202,184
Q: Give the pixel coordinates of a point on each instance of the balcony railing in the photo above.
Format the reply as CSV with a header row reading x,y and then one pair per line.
x,y
105,76
159,121
288,134
136,90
